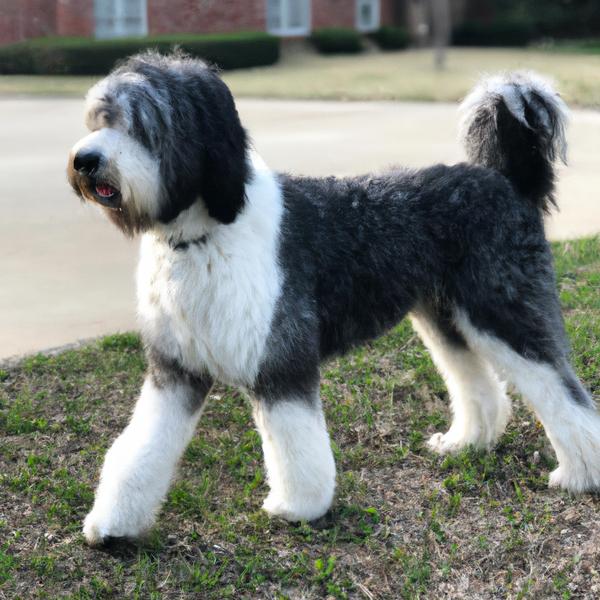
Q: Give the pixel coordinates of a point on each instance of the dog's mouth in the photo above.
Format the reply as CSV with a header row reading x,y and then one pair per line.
x,y
106,194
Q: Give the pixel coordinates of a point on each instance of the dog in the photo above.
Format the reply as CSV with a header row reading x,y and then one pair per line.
x,y
252,278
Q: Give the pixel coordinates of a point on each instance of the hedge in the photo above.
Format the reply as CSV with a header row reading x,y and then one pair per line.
x,y
569,26
83,56
336,40
497,33
391,38
552,18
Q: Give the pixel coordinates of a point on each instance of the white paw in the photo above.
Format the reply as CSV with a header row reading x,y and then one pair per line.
x,y
448,443
302,509
443,443
575,480
95,531
565,478
98,527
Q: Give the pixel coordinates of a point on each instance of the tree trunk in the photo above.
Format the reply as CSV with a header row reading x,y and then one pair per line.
x,y
440,17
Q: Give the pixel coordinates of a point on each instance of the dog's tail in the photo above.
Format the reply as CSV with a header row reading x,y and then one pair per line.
x,y
515,123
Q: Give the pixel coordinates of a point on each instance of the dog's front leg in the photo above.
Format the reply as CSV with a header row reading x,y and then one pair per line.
x,y
298,457
139,466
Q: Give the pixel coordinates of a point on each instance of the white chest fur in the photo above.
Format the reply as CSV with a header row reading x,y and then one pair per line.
x,y
210,306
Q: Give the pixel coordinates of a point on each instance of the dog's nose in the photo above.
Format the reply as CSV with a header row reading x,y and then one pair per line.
x,y
86,162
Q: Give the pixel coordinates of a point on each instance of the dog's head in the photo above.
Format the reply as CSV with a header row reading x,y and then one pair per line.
x,y
165,134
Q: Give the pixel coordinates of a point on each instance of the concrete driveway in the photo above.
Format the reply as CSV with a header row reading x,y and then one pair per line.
x,y
67,275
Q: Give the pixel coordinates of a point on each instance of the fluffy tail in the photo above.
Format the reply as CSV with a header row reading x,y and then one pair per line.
x,y
515,123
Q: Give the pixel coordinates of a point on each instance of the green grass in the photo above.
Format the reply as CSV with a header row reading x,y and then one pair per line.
x,y
584,46
404,524
405,75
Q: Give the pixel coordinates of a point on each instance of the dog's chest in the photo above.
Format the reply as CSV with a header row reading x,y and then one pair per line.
x,y
209,307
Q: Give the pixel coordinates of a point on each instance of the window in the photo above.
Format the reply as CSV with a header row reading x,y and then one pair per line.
x,y
367,15
120,18
288,17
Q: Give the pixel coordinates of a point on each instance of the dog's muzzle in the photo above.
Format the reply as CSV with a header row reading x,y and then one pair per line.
x,y
87,171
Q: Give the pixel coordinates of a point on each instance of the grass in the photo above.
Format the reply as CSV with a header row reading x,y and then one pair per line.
x,y
582,46
410,75
405,523
407,75
45,85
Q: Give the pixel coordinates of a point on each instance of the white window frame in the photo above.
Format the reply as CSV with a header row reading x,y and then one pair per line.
x,y
284,31
376,8
119,29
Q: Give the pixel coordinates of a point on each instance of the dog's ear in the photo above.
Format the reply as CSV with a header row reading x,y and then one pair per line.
x,y
225,171
207,155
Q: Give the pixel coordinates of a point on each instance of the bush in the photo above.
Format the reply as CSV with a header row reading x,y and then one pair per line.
x,y
336,40
497,33
16,59
569,26
552,18
391,38
83,56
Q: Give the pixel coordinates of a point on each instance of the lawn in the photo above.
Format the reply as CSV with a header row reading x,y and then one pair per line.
x,y
405,75
405,523
410,75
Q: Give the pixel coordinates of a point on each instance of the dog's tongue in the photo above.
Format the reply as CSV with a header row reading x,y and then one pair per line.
x,y
105,190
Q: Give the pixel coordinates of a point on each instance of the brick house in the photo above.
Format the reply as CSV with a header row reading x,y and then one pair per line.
x,y
24,19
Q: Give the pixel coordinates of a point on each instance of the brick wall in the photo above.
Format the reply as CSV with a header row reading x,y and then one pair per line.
x,y
206,16
23,19
75,17
333,13
10,22
41,17
391,12
342,13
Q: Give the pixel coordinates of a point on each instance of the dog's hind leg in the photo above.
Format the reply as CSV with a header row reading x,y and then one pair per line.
x,y
480,406
298,456
537,364
140,464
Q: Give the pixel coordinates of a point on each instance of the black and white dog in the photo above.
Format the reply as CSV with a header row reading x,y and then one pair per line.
x,y
252,278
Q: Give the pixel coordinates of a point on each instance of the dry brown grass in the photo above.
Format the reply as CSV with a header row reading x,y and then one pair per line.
x,y
405,75
410,75
44,85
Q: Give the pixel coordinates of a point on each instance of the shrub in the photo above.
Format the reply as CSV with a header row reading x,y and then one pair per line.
x,y
82,56
336,40
16,59
552,18
391,38
507,32
569,25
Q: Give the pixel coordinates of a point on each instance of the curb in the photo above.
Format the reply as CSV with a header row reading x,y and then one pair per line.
x,y
13,361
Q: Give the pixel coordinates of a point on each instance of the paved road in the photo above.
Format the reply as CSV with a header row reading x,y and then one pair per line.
x,y
67,275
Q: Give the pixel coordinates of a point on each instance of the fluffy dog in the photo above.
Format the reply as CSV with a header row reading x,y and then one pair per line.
x,y
252,278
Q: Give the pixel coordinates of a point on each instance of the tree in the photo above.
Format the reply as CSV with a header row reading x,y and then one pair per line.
x,y
441,21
